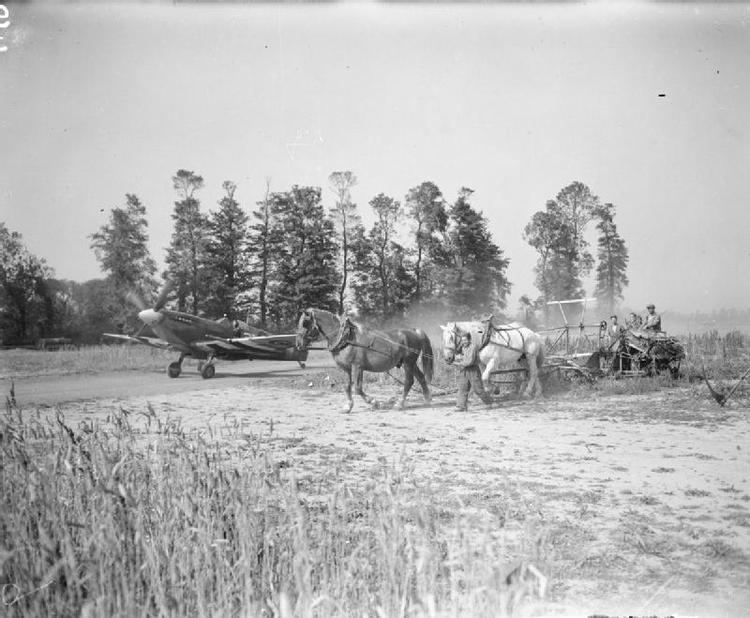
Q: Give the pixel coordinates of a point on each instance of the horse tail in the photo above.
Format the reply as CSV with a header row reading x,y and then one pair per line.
x,y
428,358
540,355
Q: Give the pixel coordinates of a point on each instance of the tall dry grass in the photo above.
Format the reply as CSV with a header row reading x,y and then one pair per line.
x,y
723,356
85,359
134,516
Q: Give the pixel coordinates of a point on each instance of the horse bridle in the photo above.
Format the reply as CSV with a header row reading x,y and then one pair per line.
x,y
315,330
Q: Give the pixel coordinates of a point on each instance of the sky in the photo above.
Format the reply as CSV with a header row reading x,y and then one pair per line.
x,y
646,103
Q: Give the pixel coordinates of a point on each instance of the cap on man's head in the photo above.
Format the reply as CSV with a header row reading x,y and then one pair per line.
x,y
650,306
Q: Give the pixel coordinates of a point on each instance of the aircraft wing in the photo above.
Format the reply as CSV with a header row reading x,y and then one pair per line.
x,y
154,342
251,345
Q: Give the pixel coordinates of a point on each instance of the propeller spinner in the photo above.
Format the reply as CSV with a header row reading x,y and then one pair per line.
x,y
150,316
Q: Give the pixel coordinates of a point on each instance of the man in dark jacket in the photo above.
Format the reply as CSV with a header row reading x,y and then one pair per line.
x,y
469,377
653,319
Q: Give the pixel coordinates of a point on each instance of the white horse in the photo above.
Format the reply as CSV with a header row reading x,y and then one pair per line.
x,y
500,346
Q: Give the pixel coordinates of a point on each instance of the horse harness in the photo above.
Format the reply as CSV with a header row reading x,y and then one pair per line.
x,y
344,339
489,328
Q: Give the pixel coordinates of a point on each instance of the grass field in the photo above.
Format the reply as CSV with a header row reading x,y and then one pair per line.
x,y
20,363
266,501
263,500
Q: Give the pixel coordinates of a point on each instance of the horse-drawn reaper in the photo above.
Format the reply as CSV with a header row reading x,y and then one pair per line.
x,y
594,352
356,349
510,349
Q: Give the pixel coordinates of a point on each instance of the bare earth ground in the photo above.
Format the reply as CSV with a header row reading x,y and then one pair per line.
x,y
630,504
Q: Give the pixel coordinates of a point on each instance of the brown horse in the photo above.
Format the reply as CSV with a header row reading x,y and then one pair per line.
x,y
357,349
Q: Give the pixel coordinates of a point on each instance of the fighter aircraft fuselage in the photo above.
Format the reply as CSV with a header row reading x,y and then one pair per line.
x,y
207,340
181,329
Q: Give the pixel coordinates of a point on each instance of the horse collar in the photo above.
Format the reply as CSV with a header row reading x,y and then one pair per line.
x,y
343,341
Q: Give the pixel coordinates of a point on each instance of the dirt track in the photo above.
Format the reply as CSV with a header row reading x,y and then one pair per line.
x,y
638,504
50,390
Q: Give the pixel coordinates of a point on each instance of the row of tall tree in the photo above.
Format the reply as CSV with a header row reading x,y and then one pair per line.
x,y
291,252
424,254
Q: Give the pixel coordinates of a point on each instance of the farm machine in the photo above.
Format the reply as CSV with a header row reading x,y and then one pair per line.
x,y
593,353
586,352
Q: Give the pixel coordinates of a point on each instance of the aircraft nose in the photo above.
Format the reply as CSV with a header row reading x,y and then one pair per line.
x,y
149,316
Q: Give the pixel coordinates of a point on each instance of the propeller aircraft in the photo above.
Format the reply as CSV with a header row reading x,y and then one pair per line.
x,y
207,340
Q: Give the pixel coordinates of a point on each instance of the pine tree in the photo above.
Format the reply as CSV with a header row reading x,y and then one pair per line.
x,y
227,257
304,255
471,266
259,240
611,271
187,251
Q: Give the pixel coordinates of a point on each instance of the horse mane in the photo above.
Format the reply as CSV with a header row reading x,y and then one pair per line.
x,y
319,310
509,325
356,323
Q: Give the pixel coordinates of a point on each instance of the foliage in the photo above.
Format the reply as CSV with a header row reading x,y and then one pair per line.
x,y
426,206
348,224
121,246
557,234
304,255
549,233
470,275
611,271
578,207
289,254
186,255
227,257
384,282
23,293
259,241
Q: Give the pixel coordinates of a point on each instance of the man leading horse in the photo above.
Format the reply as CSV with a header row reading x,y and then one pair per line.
x,y
499,346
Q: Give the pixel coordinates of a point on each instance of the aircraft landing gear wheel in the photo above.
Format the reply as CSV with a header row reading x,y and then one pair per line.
x,y
208,371
301,364
174,370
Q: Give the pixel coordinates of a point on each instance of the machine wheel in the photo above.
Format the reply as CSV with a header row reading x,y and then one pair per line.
x,y
174,370
301,364
208,371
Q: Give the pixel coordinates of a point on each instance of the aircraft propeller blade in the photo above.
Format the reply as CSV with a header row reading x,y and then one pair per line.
x,y
162,300
136,300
